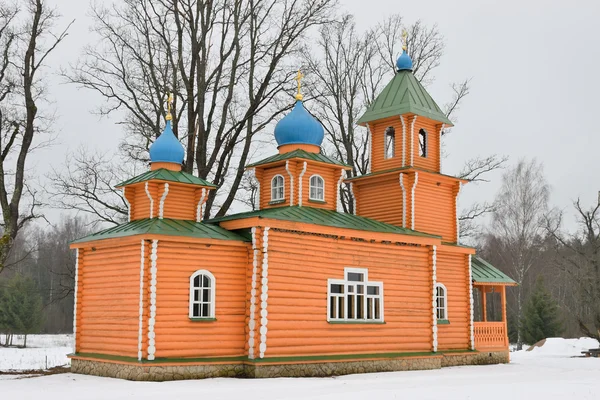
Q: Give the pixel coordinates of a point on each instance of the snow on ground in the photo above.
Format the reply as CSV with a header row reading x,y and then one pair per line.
x,y
42,352
564,347
549,374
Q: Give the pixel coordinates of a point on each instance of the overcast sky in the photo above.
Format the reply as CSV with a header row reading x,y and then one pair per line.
x,y
534,89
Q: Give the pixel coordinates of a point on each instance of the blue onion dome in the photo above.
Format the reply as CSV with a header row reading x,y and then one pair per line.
x,y
299,127
404,62
167,148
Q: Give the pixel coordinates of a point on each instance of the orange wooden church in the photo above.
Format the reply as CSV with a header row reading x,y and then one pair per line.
x,y
296,288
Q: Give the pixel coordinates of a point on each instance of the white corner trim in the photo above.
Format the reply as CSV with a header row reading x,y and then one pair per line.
x,y
151,200
300,184
257,191
434,300
403,141
199,206
264,294
472,335
412,140
140,328
401,179
152,313
412,203
75,293
369,148
440,148
339,199
353,198
287,168
456,209
128,205
252,322
161,205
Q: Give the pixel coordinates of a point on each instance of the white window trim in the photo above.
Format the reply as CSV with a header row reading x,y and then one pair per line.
x,y
441,285
283,186
213,289
345,282
310,186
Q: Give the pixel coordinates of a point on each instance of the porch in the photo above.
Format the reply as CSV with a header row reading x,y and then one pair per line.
x,y
489,306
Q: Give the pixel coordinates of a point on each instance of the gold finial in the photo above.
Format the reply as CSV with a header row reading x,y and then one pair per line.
x,y
404,39
299,77
169,107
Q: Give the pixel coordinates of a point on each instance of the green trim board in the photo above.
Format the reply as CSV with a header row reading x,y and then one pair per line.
x,y
170,227
484,272
299,153
164,174
404,95
200,319
318,216
443,322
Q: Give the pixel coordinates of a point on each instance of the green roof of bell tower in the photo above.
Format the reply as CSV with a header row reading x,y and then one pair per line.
x,y
404,95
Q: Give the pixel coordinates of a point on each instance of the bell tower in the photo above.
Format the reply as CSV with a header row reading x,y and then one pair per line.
x,y
405,186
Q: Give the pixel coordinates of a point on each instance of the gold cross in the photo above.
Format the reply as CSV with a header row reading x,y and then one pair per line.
x,y
404,39
169,106
299,77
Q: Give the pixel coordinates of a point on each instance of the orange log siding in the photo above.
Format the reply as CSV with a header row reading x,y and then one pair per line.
x,y
330,175
382,199
180,202
435,210
140,207
108,300
453,272
176,334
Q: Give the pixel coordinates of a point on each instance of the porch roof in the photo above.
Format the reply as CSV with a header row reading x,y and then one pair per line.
x,y
484,272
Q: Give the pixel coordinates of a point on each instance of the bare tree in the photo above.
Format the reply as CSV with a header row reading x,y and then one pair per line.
x,y
26,40
518,225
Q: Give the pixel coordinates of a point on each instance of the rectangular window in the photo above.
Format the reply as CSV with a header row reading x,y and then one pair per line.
x,y
355,298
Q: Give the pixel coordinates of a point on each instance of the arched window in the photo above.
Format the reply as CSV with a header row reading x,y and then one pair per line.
x,y
317,188
422,143
441,301
390,142
277,188
202,294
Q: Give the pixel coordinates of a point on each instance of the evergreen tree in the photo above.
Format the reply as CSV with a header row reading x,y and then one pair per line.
x,y
540,319
21,307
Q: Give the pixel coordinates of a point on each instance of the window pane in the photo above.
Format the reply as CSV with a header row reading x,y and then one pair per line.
x,y
332,313
350,289
196,295
360,289
337,288
378,309
205,310
206,295
369,308
350,314
197,281
356,277
340,309
360,304
196,310
206,281
373,290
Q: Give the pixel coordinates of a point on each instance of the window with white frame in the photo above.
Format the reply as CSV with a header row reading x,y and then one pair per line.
x,y
277,188
202,295
441,301
354,298
317,188
390,142
422,143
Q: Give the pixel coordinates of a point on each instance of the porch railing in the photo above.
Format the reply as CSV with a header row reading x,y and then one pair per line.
x,y
490,335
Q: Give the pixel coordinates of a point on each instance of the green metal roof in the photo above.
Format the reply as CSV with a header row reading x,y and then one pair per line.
x,y
165,226
484,272
299,154
166,175
404,94
323,217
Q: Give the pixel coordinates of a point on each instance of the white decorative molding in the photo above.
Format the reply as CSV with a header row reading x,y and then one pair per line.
x,y
264,294
161,205
128,205
401,179
339,199
257,191
369,148
252,322
353,198
412,140
142,259
287,168
300,184
403,141
151,200
75,293
472,335
440,148
434,299
199,207
456,210
412,203
152,318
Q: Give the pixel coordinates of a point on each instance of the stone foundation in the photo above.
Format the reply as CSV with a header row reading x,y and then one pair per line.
x,y
150,372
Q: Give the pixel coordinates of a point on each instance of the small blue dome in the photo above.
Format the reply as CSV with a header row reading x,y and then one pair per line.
x,y
404,62
299,127
167,148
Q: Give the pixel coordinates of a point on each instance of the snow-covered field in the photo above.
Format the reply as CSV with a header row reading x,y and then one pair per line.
x,y
548,373
42,352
